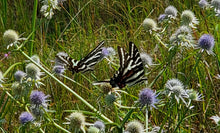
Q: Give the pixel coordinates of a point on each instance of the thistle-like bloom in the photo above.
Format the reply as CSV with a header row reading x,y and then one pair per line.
x,y
38,98
76,120
216,119
161,17
207,42
33,71
188,18
93,130
194,95
100,125
25,117
215,4
148,98
10,37
110,99
183,37
48,7
149,24
203,4
59,70
175,87
19,75
146,59
171,12
134,127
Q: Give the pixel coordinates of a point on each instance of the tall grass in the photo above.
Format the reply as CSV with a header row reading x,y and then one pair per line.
x,y
76,29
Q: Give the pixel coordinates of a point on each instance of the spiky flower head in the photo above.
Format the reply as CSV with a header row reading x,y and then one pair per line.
x,y
194,95
171,12
76,120
216,119
19,75
36,58
183,37
146,59
188,18
215,4
93,130
110,99
100,125
206,42
59,70
10,36
25,117
149,24
203,3
161,17
147,98
38,98
33,71
175,87
134,127
48,7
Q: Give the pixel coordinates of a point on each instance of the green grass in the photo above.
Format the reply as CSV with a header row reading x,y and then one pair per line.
x,y
78,28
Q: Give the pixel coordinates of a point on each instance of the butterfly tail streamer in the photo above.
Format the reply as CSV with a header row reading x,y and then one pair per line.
x,y
100,82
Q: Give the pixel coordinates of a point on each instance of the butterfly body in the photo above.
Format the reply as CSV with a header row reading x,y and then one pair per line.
x,y
85,64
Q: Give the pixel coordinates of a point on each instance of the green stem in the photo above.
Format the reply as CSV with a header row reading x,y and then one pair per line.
x,y
69,89
12,66
158,39
34,17
146,121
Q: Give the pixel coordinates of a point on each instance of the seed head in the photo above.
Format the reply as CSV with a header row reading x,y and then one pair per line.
x,y
149,24
110,99
134,127
76,119
25,117
147,98
171,11
19,75
206,42
93,130
10,36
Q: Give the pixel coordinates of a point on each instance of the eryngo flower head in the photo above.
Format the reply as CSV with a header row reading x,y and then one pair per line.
x,y
38,98
203,3
110,99
194,95
171,12
19,75
93,130
149,24
25,117
76,120
36,58
183,37
161,17
188,18
146,59
59,70
134,127
33,71
216,119
175,88
10,37
48,7
215,4
207,42
148,98
100,125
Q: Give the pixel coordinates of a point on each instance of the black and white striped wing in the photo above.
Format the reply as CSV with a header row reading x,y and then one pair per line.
x,y
88,62
131,69
85,64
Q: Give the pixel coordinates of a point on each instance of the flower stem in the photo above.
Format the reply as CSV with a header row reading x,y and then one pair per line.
x,y
69,89
146,121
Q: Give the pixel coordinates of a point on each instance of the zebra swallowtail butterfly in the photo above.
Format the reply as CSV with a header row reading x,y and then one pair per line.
x,y
131,70
85,64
